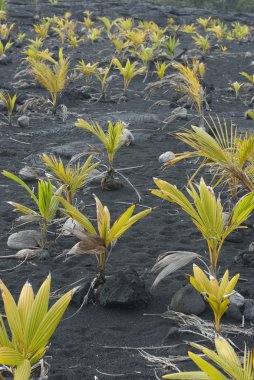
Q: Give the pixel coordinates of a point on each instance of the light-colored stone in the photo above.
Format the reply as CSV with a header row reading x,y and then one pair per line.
x,y
28,174
187,300
165,157
23,121
24,239
69,225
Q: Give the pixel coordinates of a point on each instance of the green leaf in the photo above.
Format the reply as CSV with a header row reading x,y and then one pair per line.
x,y
212,372
23,371
10,357
77,215
22,183
50,321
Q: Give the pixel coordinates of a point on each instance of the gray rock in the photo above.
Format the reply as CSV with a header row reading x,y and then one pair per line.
x,y
165,157
5,60
28,174
234,312
249,310
24,239
68,150
125,290
188,301
23,121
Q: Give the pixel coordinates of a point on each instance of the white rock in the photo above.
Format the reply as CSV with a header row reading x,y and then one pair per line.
x,y
165,157
95,177
71,224
127,137
28,174
27,253
24,239
23,121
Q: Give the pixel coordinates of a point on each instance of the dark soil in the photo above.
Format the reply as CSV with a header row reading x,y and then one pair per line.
x,y
100,343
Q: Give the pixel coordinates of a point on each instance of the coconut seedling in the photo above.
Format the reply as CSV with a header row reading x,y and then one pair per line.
x,y
31,324
42,29
70,177
220,31
229,156
128,71
207,214
94,34
171,46
33,49
190,29
21,36
237,87
124,24
101,241
202,42
204,22
190,85
3,9
146,55
52,77
73,40
88,22
136,36
249,77
223,364
5,30
108,24
102,74
4,48
87,69
161,68
216,293
112,140
46,204
240,32
9,103
120,45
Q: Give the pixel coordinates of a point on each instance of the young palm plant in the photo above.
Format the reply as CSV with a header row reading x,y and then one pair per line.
x,y
52,77
5,47
227,365
3,9
31,325
46,203
230,156
190,85
207,214
112,141
101,242
9,102
71,177
128,71
87,69
215,293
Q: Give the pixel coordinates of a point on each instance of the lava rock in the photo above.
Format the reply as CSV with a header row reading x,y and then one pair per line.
x,y
28,174
4,60
23,121
24,239
234,312
83,291
173,332
124,289
249,310
188,301
165,157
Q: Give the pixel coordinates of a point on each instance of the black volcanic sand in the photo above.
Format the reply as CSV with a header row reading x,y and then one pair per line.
x,y
91,344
